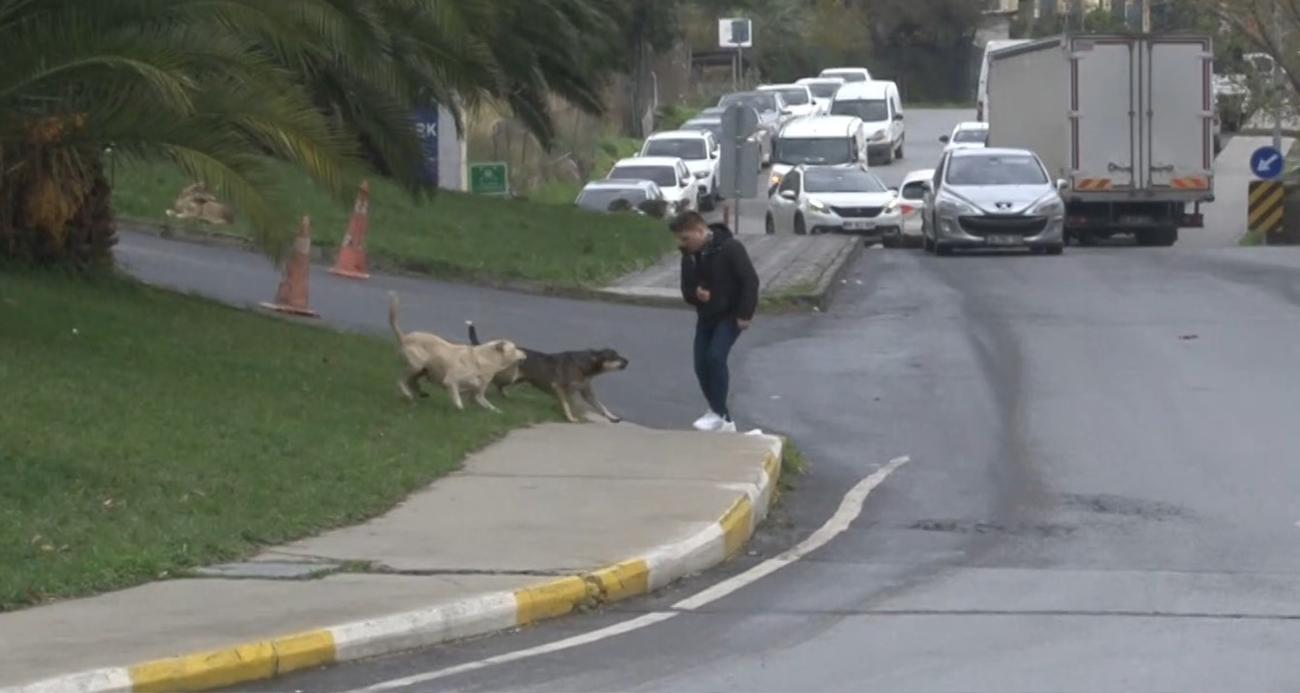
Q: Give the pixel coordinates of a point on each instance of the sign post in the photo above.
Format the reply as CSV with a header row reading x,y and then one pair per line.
x,y
489,178
1264,208
741,157
738,33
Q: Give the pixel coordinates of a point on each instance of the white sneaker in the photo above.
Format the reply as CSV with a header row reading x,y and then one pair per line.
x,y
709,422
726,427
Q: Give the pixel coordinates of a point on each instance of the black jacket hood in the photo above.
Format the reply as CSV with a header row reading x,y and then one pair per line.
x,y
720,232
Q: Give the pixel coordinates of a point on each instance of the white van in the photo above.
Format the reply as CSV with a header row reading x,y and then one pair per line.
x,y
878,105
982,95
817,140
848,74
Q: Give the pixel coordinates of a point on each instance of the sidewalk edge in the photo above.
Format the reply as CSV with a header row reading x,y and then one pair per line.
x,y
478,615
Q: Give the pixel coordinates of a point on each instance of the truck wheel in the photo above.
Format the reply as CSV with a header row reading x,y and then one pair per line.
x,y
1166,237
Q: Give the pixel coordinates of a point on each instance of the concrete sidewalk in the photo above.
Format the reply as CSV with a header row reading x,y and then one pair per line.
x,y
550,518
796,268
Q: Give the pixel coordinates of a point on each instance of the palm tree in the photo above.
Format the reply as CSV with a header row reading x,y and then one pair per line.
x,y
223,87
178,79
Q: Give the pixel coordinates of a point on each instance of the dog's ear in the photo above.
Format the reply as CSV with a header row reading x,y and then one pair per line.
x,y
501,347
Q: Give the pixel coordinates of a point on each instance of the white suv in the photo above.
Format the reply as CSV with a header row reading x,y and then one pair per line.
x,y
799,98
700,152
668,172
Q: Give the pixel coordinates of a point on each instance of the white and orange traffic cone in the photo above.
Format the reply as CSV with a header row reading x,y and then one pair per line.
x,y
351,261
291,296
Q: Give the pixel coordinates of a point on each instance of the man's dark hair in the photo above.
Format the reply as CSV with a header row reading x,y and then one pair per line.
x,y
685,220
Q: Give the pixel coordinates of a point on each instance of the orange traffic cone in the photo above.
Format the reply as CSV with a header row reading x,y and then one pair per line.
x,y
351,261
291,297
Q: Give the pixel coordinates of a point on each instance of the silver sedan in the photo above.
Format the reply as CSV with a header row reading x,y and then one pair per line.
x,y
993,198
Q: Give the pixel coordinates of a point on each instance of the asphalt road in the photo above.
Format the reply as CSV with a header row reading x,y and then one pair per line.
x,y
1101,492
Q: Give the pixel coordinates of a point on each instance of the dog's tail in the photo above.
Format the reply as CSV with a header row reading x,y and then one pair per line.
x,y
392,316
473,332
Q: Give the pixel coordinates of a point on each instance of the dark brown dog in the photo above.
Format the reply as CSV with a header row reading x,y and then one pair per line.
x,y
560,374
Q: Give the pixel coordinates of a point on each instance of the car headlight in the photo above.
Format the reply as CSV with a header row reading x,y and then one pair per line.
x,y
880,135
776,179
1053,207
893,206
818,206
701,174
952,207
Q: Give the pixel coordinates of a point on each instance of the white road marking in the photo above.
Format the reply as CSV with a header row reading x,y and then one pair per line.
x,y
849,510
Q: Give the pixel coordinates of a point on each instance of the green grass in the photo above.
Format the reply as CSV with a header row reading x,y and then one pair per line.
x,y
456,235
612,148
147,432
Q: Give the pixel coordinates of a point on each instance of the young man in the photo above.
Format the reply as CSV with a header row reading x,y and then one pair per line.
x,y
719,280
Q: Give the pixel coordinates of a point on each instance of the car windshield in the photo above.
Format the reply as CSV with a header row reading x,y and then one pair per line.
x,y
679,147
995,169
599,199
841,180
869,110
663,176
971,135
713,126
824,90
794,97
813,150
913,191
763,102
847,76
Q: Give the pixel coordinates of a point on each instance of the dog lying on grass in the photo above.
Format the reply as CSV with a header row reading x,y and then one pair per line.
x,y
560,374
455,366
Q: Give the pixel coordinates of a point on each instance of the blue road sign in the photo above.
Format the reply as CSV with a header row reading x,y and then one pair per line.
x,y
1266,162
426,124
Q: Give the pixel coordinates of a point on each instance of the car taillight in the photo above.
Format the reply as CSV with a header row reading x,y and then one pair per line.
x,y
907,209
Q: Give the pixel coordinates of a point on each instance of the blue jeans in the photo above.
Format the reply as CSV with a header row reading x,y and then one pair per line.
x,y
713,342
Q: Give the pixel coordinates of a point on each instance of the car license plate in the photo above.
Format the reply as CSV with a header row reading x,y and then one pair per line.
x,y
1005,240
859,224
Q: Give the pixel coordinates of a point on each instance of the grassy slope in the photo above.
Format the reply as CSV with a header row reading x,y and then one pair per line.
x,y
456,235
147,432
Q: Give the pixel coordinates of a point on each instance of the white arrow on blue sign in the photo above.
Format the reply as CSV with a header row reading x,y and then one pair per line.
x,y
1266,162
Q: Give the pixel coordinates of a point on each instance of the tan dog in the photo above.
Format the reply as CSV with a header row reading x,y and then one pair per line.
x,y
455,366
195,202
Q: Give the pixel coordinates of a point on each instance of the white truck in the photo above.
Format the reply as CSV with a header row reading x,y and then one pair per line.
x,y
1124,122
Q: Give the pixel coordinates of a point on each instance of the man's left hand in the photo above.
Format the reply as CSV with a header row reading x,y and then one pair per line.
x,y
743,324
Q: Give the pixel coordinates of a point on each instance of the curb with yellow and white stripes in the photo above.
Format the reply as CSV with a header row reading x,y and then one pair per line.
x,y
478,615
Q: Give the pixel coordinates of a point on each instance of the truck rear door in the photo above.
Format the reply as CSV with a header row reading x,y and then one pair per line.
x,y
1104,104
1178,114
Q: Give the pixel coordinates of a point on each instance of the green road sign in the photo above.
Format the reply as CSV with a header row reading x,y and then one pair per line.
x,y
491,178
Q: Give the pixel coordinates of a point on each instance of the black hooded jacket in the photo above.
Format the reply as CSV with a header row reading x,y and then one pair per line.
x,y
723,267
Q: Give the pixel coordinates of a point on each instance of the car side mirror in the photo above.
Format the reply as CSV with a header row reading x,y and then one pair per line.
x,y
1062,185
944,138
895,191
898,116
789,195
